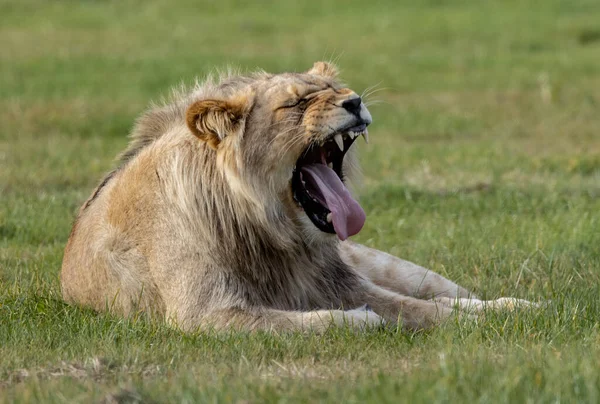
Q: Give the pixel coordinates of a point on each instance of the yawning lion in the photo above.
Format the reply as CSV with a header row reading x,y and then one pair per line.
x,y
230,209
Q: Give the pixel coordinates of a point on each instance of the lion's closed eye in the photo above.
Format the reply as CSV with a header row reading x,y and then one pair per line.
x,y
300,102
299,98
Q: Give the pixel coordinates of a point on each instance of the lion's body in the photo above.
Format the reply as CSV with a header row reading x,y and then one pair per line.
x,y
148,231
165,233
189,229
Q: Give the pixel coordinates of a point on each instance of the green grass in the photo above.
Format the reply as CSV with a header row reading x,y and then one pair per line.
x,y
484,165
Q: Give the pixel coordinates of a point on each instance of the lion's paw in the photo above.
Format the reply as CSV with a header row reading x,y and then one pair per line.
x,y
473,305
510,303
362,318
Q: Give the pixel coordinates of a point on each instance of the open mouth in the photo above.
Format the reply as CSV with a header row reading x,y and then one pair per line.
x,y
318,184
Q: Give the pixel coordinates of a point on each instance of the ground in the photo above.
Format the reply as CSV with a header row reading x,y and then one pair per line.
x,y
484,165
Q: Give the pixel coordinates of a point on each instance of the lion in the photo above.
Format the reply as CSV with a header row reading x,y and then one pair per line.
x,y
231,209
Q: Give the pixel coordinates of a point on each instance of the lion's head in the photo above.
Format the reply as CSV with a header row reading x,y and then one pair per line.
x,y
287,137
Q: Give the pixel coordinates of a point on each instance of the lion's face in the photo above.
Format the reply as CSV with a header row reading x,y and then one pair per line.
x,y
289,137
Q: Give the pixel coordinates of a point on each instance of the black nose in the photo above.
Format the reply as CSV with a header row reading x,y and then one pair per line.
x,y
352,105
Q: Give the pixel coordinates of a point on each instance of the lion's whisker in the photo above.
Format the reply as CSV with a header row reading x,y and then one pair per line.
x,y
365,92
289,143
280,134
375,102
373,91
292,142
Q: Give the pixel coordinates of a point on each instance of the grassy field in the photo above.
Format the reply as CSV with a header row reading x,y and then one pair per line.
x,y
484,165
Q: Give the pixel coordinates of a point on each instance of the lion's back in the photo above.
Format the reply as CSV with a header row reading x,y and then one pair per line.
x,y
105,262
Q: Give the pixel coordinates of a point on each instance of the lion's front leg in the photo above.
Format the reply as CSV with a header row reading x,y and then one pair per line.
x,y
473,305
267,319
412,313
397,275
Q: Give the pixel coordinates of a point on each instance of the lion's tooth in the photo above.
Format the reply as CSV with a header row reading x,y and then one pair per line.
x,y
329,218
365,135
340,142
352,135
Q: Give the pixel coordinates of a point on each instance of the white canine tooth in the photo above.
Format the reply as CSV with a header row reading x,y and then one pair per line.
x,y
329,218
365,135
352,135
340,142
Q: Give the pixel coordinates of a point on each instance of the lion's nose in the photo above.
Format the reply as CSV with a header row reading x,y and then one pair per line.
x,y
352,105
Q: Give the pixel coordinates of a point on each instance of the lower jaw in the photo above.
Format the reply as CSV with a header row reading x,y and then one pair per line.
x,y
304,201
312,234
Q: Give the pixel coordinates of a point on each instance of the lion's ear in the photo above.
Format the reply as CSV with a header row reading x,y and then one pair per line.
x,y
213,120
324,69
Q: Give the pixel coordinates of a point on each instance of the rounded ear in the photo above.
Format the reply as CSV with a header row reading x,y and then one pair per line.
x,y
324,69
212,120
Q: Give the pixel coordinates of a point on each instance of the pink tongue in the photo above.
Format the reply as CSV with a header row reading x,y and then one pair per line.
x,y
323,184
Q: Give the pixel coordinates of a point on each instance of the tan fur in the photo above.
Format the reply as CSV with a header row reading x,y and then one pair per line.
x,y
197,226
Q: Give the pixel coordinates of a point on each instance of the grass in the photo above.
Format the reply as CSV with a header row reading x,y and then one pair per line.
x,y
484,165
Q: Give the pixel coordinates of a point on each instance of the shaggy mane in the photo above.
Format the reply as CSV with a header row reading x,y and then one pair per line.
x,y
160,117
